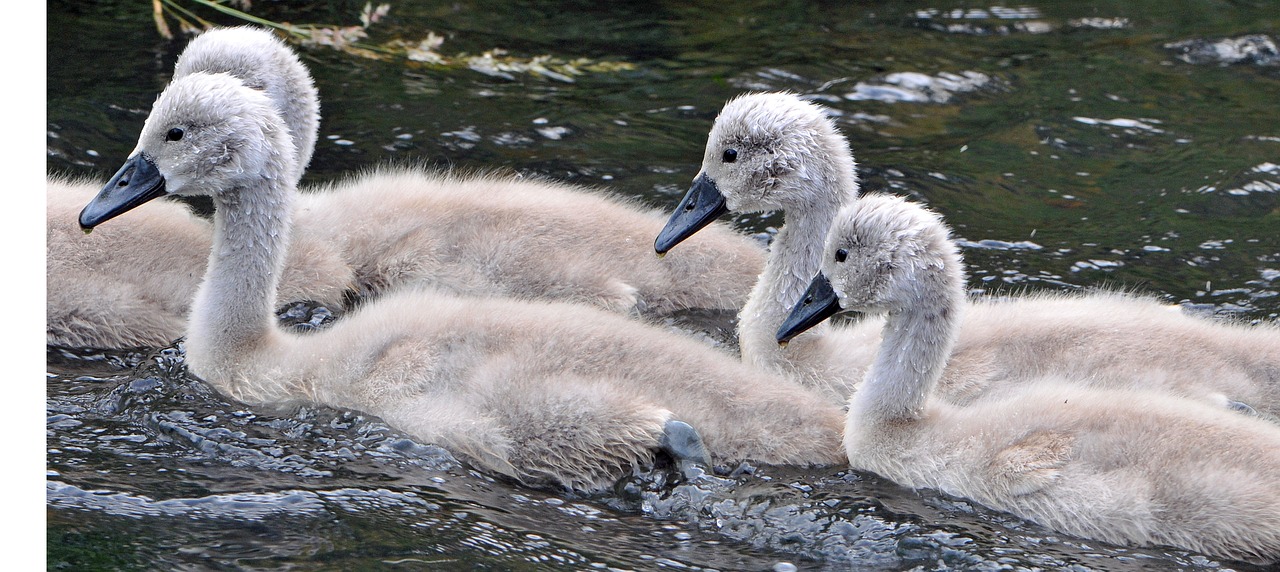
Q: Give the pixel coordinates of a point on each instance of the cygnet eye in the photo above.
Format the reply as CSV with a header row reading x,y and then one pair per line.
x,y
173,134
841,255
730,155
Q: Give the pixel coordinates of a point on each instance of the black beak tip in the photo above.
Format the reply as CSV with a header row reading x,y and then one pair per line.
x,y
819,303
137,182
701,205
663,244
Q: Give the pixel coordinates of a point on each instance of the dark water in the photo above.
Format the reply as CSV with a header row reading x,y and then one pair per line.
x,y
1070,144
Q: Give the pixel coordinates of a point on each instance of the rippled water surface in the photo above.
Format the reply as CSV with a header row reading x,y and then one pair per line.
x,y
1070,144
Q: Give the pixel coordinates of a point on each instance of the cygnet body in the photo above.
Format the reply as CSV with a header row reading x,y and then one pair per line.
x,y
523,238
130,284
1126,466
549,393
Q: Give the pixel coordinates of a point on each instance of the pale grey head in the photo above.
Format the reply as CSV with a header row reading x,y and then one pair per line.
x,y
766,151
883,254
263,62
879,249
208,134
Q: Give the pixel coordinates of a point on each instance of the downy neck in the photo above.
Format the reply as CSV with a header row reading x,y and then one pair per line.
x,y
795,257
916,341
234,309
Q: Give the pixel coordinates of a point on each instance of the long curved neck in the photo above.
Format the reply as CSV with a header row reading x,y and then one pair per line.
x,y
233,312
915,343
794,259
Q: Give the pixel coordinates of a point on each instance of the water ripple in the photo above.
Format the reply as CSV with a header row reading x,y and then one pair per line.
x,y
915,87
237,506
1256,49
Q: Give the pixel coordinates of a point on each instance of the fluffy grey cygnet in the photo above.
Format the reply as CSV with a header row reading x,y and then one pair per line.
x,y
1123,465
479,235
549,393
776,151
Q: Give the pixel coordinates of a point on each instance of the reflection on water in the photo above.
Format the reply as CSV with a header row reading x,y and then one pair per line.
x,y
1071,145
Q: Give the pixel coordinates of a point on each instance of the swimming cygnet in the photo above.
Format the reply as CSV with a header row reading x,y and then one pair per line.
x,y
548,393
485,235
1122,465
776,151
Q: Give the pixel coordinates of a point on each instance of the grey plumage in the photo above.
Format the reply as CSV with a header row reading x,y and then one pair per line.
x,y
1124,465
549,393
479,235
791,157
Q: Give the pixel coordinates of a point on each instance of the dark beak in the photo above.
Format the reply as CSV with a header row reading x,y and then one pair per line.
x,y
819,303
137,182
701,205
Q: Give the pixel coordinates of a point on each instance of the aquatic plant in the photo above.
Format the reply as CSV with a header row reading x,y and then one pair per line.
x,y
495,62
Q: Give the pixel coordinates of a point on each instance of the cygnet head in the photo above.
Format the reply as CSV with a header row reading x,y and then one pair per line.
x,y
208,134
766,151
263,62
882,254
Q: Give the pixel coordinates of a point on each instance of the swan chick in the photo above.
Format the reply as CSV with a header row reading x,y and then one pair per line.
x,y
130,285
390,227
776,151
547,393
767,152
1125,466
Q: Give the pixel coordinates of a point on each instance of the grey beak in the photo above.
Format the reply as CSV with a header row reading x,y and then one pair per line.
x,y
699,207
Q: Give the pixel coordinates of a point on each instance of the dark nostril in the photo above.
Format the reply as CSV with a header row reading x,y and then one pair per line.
x,y
124,178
